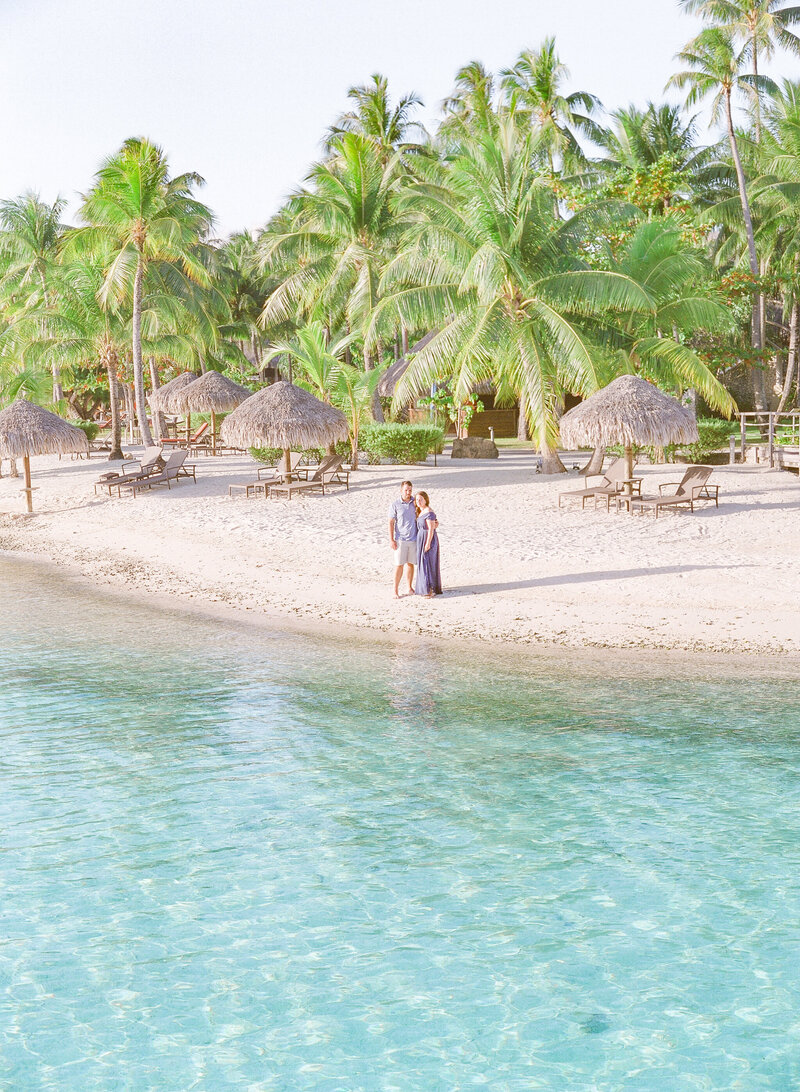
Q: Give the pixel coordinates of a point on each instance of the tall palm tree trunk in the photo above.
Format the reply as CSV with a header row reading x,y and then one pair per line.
x,y
159,421
138,368
113,397
757,332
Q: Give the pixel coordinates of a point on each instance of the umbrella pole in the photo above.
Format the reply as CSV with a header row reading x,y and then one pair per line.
x,y
287,462
188,427
26,462
213,433
629,470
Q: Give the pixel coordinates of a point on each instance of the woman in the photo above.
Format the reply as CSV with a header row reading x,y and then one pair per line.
x,y
429,577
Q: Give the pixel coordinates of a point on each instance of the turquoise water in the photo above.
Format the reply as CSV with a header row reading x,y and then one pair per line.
x,y
243,860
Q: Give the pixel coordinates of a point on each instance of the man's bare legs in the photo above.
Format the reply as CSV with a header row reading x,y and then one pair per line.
x,y
398,576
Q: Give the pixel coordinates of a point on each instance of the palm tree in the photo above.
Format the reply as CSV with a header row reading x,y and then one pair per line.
x,y
244,288
490,266
533,90
714,65
471,105
146,217
655,145
82,330
336,245
355,394
652,343
319,364
762,25
374,117
30,235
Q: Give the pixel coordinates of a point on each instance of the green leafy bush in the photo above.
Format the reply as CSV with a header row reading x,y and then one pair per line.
x,y
271,455
713,436
90,428
267,455
401,443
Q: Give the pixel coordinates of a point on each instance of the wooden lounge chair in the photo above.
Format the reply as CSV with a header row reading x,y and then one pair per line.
x,y
267,476
174,468
194,439
321,480
611,483
330,462
150,463
692,487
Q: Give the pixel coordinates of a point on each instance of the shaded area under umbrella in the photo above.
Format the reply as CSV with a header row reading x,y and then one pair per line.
x,y
632,412
27,429
212,393
286,417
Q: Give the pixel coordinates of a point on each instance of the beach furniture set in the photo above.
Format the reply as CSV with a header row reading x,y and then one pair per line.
x,y
289,481
624,491
152,470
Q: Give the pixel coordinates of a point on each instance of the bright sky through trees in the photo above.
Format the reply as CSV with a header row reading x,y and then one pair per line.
x,y
242,91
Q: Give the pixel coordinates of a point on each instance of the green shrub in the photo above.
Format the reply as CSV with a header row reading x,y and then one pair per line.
x,y
400,443
91,428
266,454
713,436
271,455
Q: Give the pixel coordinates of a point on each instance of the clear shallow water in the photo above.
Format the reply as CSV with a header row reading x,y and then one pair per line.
x,y
240,860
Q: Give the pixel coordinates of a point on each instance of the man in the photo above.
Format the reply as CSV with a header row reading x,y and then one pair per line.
x,y
403,536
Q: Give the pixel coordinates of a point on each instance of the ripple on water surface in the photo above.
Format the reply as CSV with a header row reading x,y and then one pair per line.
x,y
238,859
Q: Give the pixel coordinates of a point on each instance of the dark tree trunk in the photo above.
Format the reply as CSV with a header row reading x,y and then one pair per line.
x,y
551,462
595,464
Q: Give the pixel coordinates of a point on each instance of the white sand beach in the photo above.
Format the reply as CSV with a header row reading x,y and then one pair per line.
x,y
516,568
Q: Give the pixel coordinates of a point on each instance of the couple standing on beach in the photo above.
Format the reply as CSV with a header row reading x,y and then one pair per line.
x,y
412,533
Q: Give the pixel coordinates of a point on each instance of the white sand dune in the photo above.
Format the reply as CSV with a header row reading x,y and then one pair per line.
x,y
516,568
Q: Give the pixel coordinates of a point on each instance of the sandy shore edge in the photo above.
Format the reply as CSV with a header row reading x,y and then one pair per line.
x,y
523,575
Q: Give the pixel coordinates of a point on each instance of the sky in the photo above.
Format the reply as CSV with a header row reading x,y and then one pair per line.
x,y
242,91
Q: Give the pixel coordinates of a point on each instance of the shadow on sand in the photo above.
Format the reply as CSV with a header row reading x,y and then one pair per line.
x,y
582,578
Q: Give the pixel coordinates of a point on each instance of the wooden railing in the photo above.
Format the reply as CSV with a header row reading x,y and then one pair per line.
x,y
778,427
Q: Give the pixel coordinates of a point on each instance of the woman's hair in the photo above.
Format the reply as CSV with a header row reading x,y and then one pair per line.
x,y
425,497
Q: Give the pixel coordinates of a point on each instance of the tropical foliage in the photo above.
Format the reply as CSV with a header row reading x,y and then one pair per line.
x,y
531,245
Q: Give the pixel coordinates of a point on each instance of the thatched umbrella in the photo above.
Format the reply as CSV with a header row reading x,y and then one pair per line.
x,y
26,429
164,399
284,416
212,393
629,411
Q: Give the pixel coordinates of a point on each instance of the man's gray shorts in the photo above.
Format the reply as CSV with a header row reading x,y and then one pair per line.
x,y
406,553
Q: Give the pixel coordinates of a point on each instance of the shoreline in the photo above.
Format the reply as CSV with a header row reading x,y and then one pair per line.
x,y
529,577
587,660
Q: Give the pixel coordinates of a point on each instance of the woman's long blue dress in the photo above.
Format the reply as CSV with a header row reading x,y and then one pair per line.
x,y
429,575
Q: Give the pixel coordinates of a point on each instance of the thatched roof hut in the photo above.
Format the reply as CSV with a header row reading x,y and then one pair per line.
x,y
629,411
27,429
211,393
284,416
165,398
394,373
632,412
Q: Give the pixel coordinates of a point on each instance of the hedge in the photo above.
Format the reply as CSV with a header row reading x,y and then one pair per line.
x,y
713,434
400,443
